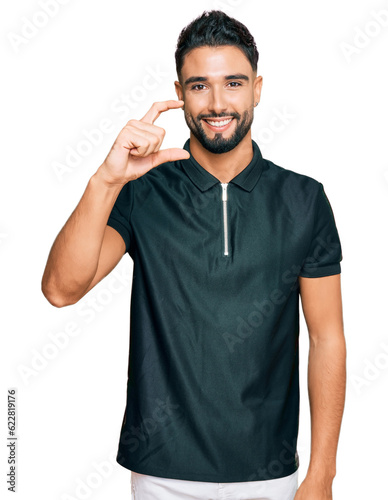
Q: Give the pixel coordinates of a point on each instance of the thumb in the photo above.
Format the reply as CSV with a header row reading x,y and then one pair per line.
x,y
172,154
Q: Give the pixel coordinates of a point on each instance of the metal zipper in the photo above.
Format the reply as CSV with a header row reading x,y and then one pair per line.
x,y
224,186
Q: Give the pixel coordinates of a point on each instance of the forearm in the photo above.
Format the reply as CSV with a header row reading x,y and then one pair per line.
x,y
326,385
74,256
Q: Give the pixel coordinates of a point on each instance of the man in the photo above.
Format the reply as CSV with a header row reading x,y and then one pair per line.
x,y
223,243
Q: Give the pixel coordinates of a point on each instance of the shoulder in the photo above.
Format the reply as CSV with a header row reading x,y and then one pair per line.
x,y
290,183
290,177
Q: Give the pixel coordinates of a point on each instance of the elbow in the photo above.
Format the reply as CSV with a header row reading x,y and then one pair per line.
x,y
57,301
55,297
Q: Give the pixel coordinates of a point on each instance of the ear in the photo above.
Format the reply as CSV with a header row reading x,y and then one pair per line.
x,y
178,90
257,86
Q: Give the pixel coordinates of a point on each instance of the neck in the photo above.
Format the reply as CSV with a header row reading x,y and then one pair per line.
x,y
224,166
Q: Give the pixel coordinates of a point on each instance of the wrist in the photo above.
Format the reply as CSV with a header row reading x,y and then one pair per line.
x,y
321,472
101,178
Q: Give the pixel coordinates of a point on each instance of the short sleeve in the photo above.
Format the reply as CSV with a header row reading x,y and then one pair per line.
x,y
325,252
120,216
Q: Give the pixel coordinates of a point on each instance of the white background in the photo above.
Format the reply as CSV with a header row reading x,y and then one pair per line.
x,y
324,66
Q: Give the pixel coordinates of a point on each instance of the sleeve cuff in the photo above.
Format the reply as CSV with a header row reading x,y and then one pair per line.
x,y
319,272
121,230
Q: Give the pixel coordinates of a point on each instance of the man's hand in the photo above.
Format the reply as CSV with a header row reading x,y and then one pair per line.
x,y
86,249
314,489
137,147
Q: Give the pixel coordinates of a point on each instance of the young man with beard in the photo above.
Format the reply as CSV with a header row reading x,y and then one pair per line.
x,y
223,244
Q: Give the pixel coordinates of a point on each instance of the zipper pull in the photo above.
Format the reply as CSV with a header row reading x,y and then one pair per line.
x,y
224,192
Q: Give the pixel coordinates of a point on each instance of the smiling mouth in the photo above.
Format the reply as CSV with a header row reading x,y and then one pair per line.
x,y
218,124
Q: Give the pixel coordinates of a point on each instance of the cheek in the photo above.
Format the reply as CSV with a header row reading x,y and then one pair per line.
x,y
243,100
195,104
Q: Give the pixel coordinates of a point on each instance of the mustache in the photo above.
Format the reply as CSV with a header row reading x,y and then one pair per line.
x,y
222,115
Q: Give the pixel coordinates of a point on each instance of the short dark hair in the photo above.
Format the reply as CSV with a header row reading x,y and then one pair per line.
x,y
214,28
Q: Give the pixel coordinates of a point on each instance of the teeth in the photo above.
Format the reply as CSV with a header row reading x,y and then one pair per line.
x,y
219,124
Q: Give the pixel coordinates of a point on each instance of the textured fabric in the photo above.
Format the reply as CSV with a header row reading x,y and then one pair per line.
x,y
146,487
213,377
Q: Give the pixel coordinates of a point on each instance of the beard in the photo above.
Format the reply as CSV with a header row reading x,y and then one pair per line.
x,y
220,144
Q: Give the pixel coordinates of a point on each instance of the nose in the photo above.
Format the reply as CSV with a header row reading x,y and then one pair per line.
x,y
217,101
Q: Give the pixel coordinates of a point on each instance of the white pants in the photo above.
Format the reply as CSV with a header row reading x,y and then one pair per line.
x,y
145,487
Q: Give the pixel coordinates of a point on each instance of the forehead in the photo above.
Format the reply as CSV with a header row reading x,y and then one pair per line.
x,y
215,62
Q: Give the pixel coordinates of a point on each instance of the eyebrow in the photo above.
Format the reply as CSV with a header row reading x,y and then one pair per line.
x,y
238,76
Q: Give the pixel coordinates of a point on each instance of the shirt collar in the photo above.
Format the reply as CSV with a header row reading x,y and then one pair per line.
x,y
204,180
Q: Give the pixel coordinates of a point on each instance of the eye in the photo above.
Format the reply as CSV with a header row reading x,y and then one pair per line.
x,y
196,87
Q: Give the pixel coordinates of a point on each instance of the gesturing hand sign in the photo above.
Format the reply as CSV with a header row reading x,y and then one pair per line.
x,y
137,147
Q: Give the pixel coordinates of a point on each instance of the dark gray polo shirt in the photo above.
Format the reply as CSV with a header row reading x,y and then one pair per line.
x,y
213,379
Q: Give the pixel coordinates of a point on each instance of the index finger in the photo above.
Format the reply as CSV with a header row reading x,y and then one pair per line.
x,y
159,107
